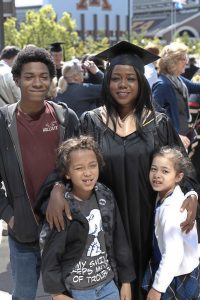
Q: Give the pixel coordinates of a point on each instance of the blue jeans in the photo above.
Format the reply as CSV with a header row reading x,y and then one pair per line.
x,y
108,291
25,264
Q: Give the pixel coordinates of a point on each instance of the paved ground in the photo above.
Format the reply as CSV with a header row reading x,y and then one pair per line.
x,y
5,273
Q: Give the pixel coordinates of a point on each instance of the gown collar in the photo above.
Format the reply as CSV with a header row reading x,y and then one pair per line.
x,y
125,126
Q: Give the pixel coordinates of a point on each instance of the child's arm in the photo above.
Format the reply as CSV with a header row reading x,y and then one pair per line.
x,y
125,292
61,297
153,295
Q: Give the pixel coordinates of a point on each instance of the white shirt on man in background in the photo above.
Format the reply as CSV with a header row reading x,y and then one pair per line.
x,y
150,74
9,91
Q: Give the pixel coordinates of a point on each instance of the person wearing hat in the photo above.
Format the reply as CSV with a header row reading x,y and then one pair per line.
x,y
57,55
128,131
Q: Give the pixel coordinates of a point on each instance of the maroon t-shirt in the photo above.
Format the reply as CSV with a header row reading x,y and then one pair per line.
x,y
39,139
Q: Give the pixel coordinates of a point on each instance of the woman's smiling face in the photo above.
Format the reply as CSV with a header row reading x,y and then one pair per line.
x,y
124,86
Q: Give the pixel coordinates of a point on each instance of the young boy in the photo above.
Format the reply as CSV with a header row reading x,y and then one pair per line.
x,y
91,255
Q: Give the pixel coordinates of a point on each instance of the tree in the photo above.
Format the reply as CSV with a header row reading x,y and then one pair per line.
x,y
193,44
12,36
41,29
89,46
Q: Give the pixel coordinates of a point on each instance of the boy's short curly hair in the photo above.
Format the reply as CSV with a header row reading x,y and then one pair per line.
x,y
73,144
33,54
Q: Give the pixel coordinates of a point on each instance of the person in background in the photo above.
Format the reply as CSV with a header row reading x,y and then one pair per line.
x,y
171,274
128,130
191,69
171,91
93,75
71,90
150,70
52,94
94,239
57,55
9,92
31,131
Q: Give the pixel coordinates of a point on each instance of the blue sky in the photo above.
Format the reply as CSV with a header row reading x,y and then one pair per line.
x,y
27,2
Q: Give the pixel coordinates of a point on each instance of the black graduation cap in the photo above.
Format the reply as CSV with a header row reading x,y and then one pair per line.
x,y
125,53
56,47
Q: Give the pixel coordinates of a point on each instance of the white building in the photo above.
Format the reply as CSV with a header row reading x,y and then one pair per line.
x,y
98,18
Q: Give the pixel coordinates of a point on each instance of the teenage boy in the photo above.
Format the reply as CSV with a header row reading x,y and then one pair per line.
x,y
31,130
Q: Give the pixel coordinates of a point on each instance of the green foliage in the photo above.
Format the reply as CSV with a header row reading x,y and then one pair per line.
x,y
139,39
41,29
89,46
12,36
192,44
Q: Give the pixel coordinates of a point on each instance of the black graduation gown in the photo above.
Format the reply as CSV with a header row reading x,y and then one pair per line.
x,y
126,173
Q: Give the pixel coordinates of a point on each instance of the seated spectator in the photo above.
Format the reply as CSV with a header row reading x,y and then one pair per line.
x,y
77,95
9,92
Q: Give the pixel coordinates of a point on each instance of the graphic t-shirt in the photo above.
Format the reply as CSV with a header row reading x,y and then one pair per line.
x,y
93,269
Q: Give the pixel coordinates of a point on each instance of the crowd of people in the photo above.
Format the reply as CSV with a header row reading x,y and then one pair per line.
x,y
97,187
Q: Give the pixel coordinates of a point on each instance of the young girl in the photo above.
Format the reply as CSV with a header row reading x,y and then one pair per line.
x,y
173,271
92,255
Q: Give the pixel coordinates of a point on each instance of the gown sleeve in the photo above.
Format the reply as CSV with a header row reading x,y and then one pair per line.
x,y
90,124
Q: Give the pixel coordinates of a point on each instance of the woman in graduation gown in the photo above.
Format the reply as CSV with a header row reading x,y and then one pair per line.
x,y
128,131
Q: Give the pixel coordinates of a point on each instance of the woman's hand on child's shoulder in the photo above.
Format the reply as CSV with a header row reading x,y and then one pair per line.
x,y
125,292
190,204
56,206
153,295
